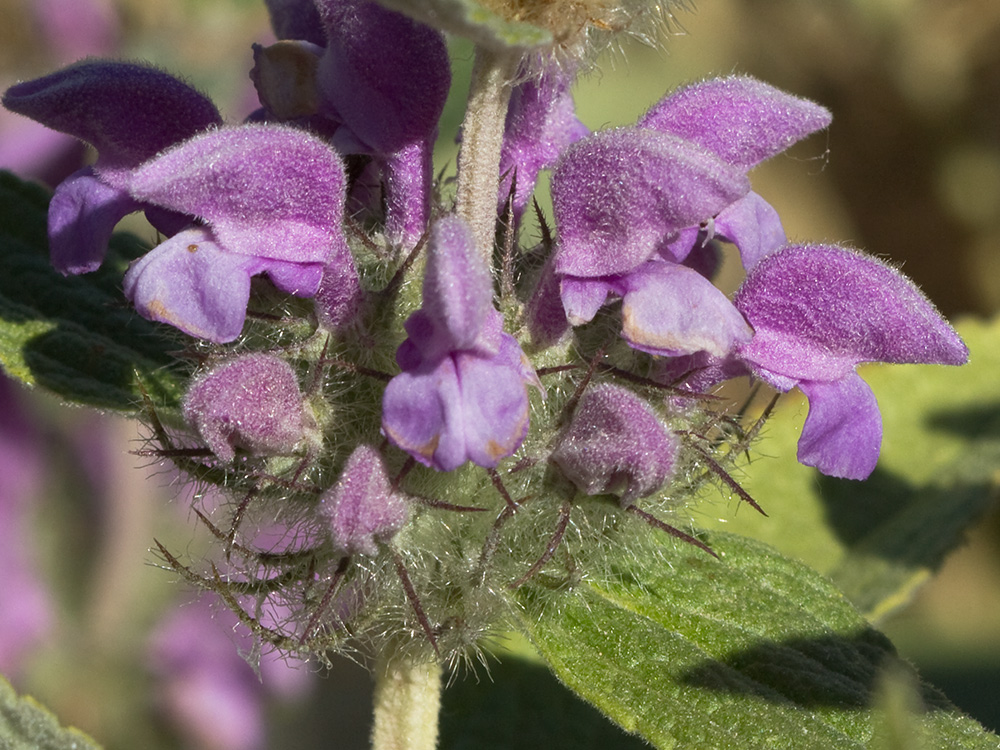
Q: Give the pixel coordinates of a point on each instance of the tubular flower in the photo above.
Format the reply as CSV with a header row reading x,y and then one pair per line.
x,y
680,178
818,311
462,393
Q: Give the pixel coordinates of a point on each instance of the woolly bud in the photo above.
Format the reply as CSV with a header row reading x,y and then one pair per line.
x,y
362,508
251,402
615,444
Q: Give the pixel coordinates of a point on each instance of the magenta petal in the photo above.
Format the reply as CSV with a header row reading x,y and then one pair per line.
x,y
751,224
266,190
842,434
619,194
361,507
819,310
742,120
82,215
673,310
385,76
494,409
194,285
128,112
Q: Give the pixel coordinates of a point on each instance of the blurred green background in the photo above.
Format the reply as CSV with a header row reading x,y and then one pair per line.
x,y
909,170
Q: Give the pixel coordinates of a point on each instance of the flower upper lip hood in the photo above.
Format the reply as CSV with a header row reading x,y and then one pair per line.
x,y
129,112
818,311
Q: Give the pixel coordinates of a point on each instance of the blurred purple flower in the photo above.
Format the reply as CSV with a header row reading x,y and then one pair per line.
x,y
211,695
26,612
462,393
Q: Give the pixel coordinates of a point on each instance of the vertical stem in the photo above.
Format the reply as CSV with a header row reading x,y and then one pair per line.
x,y
407,703
482,139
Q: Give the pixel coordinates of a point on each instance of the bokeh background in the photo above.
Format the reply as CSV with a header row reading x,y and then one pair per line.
x,y
910,170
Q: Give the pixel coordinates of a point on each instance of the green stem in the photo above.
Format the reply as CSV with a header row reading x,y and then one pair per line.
x,y
482,139
407,704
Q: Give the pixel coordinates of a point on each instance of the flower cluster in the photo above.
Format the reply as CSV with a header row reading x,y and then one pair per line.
x,y
578,373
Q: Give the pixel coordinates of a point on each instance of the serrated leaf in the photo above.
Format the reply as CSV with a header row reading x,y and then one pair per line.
x,y
76,336
753,650
26,725
520,704
937,474
470,19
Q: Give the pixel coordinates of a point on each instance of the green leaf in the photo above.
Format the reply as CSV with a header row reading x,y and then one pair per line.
x,y
520,704
470,19
26,725
752,650
75,337
880,539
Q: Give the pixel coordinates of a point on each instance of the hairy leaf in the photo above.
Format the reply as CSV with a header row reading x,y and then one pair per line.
x,y
751,650
26,725
75,336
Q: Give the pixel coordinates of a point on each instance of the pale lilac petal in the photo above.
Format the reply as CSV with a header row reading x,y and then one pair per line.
x,y
751,224
619,194
616,444
582,298
202,291
842,433
541,123
819,310
742,120
83,213
128,112
251,402
384,75
494,405
361,507
266,190
421,415
673,310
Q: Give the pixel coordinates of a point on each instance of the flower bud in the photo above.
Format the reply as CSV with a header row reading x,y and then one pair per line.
x,y
362,508
252,403
616,444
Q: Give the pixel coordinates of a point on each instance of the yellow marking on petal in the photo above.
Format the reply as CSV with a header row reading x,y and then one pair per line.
x,y
192,248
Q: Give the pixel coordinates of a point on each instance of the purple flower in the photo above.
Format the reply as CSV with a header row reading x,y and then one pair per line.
x,y
743,121
462,393
251,402
541,123
818,311
271,201
129,113
362,508
615,443
377,82
632,204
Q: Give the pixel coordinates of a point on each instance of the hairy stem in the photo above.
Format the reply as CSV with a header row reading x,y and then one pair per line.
x,y
482,139
407,703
